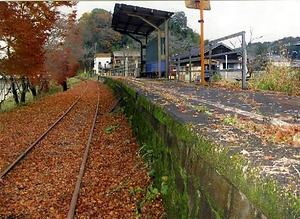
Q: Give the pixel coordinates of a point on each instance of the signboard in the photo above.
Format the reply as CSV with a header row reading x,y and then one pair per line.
x,y
194,4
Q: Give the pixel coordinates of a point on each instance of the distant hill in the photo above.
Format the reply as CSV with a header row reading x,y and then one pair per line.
x,y
286,47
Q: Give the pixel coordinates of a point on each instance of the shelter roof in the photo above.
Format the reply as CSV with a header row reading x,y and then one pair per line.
x,y
127,19
195,52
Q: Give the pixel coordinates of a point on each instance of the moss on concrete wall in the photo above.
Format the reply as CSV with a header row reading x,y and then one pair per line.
x,y
192,187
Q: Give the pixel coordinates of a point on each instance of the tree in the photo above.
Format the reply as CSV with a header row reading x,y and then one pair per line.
x,y
97,35
64,50
24,29
180,32
178,22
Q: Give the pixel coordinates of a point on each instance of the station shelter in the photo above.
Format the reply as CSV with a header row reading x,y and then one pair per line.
x,y
139,23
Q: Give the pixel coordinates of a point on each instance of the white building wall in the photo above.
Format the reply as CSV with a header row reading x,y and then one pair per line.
x,y
101,62
231,75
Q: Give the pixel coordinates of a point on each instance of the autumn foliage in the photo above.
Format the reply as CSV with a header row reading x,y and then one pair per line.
x,y
62,56
25,27
98,36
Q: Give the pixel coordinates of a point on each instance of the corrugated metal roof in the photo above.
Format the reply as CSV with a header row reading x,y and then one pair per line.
x,y
125,19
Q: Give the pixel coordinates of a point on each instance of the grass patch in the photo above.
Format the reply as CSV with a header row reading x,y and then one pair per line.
x,y
9,103
280,79
274,78
230,120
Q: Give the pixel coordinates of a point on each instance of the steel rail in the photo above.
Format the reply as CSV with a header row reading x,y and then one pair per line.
x,y
13,164
74,199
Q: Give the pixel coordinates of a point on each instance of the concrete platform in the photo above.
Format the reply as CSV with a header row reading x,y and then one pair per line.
x,y
262,127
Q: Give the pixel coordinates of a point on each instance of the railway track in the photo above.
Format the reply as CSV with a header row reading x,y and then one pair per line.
x,y
37,168
48,183
22,155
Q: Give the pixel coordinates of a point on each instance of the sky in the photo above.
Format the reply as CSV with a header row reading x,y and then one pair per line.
x,y
262,20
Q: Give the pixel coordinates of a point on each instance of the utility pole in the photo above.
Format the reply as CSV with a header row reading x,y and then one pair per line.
x,y
202,5
201,21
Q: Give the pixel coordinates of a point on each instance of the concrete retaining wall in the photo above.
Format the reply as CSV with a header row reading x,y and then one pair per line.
x,y
192,187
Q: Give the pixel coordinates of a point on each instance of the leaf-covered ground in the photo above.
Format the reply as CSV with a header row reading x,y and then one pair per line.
x,y
116,183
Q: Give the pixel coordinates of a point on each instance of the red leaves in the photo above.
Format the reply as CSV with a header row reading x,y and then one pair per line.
x,y
182,110
115,180
64,50
24,29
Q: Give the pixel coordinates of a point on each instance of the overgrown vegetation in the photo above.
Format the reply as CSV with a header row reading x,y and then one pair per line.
x,y
280,79
273,78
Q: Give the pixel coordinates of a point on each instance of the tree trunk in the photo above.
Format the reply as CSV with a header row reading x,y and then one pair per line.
x,y
64,85
14,90
24,90
43,87
32,89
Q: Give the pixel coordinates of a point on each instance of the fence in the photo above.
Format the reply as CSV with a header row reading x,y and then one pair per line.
x,y
188,69
130,70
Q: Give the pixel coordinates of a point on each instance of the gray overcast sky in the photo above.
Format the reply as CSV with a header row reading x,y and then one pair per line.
x,y
271,19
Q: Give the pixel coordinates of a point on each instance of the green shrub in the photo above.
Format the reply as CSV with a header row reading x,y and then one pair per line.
x,y
280,79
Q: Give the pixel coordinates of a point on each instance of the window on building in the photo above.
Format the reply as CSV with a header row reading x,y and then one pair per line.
x,y
230,65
